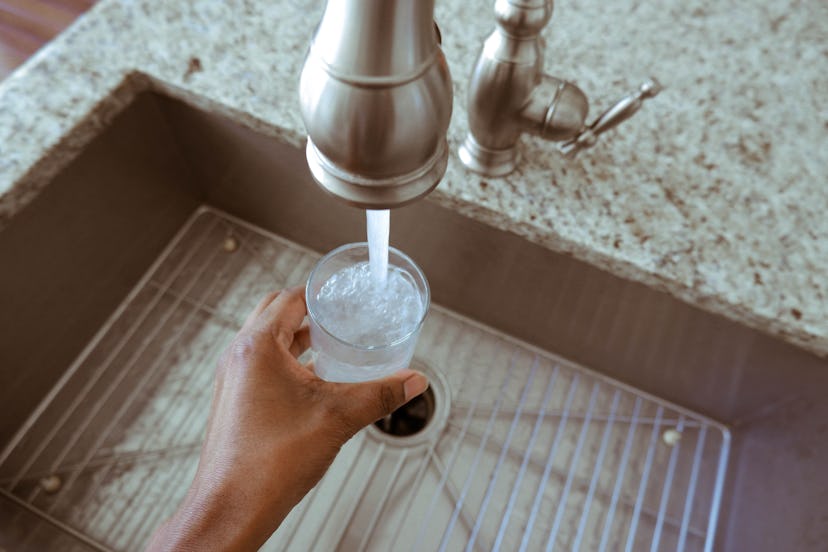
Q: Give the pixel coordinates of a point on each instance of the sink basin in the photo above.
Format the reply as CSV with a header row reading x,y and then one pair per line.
x,y
570,409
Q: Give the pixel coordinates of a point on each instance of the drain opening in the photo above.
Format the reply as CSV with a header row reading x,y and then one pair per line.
x,y
411,418
423,419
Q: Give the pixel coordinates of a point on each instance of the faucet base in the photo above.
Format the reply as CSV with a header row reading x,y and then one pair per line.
x,y
485,161
377,193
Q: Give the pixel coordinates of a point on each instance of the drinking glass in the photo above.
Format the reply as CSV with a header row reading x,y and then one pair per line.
x,y
336,358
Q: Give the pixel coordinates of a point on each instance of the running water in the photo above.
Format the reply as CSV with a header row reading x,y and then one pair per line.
x,y
371,312
378,223
355,310
371,303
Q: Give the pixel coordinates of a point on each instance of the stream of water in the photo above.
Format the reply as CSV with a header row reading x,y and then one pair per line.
x,y
378,224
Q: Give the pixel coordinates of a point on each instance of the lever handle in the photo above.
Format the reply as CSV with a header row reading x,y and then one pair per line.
x,y
623,109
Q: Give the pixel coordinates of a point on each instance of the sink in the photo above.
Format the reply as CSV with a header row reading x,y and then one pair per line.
x,y
570,409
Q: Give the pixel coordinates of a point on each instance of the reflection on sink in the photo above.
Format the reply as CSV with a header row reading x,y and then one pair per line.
x,y
527,447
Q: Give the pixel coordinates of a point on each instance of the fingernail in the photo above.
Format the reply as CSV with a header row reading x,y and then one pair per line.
x,y
415,385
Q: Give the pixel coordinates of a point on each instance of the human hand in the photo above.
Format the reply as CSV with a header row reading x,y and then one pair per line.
x,y
273,431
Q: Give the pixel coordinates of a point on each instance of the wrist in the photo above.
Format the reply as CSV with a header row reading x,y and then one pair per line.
x,y
223,518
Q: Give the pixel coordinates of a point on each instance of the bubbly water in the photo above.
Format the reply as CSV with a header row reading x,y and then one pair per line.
x,y
370,306
379,224
353,308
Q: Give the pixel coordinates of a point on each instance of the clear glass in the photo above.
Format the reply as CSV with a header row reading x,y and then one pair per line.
x,y
336,358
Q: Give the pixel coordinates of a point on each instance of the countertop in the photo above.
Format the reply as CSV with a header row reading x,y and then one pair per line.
x,y
716,191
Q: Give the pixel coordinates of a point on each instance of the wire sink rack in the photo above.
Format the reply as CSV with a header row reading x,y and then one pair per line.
x,y
535,452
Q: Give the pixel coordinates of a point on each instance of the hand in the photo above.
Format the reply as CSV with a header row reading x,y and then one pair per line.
x,y
274,429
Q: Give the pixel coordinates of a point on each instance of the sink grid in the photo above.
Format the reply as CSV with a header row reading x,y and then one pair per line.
x,y
537,453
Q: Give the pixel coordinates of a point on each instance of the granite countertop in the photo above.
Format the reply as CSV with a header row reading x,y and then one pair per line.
x,y
716,192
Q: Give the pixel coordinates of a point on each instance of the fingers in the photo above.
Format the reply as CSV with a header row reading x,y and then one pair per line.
x,y
283,316
265,301
287,310
301,341
365,403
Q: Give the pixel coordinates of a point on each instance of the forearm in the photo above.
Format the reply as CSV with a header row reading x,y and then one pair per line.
x,y
219,520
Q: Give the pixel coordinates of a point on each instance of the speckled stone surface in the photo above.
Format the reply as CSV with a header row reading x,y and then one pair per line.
x,y
716,192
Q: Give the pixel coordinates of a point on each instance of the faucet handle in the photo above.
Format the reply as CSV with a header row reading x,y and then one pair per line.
x,y
622,110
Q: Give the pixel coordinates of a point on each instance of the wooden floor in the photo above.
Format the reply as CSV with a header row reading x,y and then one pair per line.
x,y
26,25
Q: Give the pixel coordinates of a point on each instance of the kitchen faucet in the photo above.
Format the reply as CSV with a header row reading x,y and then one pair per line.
x,y
376,97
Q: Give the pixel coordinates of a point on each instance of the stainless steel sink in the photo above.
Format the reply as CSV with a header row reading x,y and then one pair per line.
x,y
570,409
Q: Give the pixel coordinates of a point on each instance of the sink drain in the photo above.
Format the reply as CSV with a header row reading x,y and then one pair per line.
x,y
410,418
422,418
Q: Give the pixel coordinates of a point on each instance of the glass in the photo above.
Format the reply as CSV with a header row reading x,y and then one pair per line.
x,y
336,358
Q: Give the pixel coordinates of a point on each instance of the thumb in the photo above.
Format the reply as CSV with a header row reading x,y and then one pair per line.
x,y
366,402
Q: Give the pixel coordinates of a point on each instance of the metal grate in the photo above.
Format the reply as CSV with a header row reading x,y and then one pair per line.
x,y
537,453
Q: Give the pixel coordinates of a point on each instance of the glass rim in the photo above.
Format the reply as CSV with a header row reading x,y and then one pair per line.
x,y
364,245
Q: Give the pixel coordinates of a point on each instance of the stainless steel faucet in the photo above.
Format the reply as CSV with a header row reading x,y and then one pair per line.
x,y
509,94
376,97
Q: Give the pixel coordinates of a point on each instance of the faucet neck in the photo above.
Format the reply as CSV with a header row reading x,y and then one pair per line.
x,y
375,94
523,19
364,40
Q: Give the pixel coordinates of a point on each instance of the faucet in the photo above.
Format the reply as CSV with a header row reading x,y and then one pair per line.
x,y
509,94
376,97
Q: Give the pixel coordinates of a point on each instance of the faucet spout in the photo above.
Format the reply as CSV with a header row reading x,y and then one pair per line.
x,y
376,97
